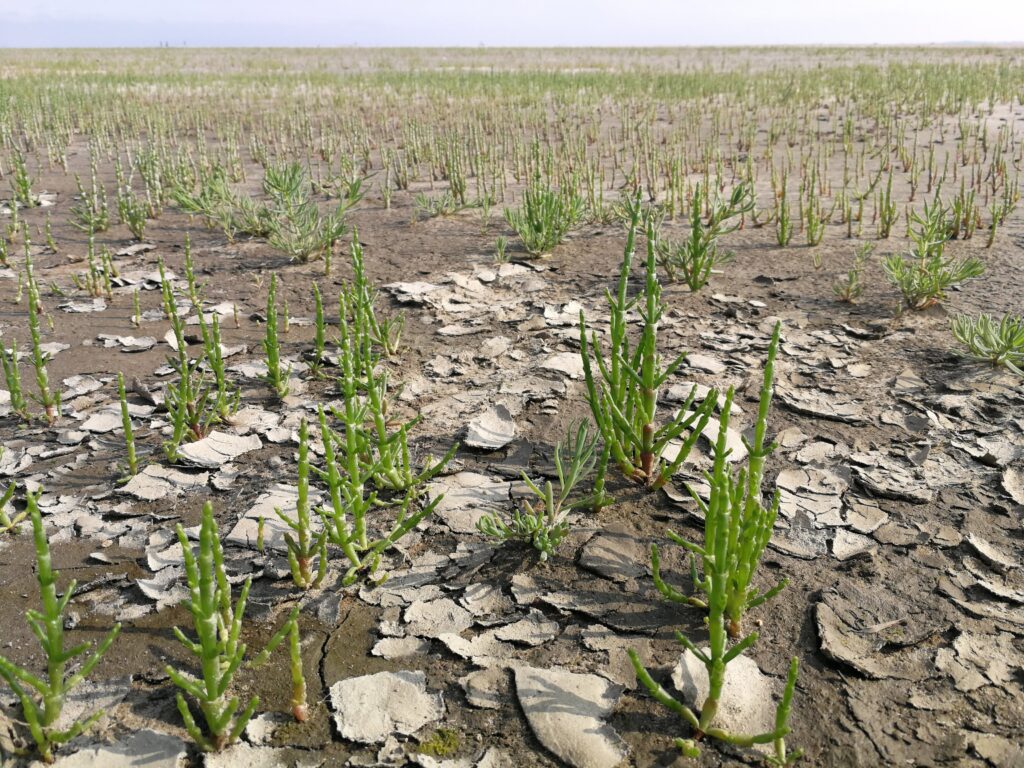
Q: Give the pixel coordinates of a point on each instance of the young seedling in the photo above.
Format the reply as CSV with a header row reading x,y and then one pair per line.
x,y
543,523
624,401
218,626
12,376
694,259
306,544
276,378
996,341
850,288
501,250
126,423
545,216
48,627
7,523
49,400
316,361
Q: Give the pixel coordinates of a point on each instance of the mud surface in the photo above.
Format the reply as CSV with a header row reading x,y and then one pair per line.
x,y
899,467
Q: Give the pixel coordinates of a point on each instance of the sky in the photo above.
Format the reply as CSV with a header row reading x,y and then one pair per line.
x,y
101,23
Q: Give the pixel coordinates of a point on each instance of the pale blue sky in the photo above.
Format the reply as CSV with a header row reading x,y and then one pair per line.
x,y
60,23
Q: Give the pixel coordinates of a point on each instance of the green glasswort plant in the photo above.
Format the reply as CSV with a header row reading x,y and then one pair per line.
x,y
218,625
359,300
543,523
276,378
349,501
694,258
737,526
126,424
545,216
300,709
12,377
624,401
306,544
715,662
48,627
996,341
48,399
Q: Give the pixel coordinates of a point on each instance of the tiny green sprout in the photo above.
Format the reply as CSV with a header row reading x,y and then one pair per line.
x,y
276,377
126,423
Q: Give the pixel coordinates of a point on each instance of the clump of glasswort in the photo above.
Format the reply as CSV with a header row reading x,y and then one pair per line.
x,y
623,391
47,625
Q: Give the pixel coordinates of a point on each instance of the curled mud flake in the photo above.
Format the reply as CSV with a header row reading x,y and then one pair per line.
x,y
872,632
976,660
567,713
467,497
217,449
821,405
492,429
148,748
370,708
568,363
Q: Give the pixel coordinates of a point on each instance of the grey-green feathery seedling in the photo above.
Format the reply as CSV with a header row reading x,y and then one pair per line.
x,y
624,400
276,377
926,274
9,524
306,544
694,258
850,288
923,281
543,523
48,627
734,518
996,341
545,216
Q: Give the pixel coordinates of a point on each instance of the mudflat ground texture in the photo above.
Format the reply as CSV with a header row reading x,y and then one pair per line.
x,y
138,185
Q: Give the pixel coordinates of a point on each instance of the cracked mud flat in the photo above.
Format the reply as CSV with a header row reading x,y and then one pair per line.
x,y
899,468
